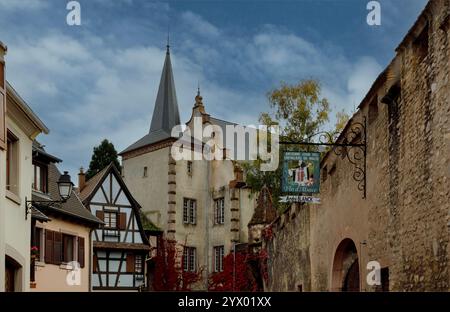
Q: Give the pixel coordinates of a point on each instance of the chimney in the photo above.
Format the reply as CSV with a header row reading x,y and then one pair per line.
x,y
81,179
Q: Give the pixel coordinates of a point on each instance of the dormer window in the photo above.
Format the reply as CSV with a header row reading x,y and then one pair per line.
x,y
40,177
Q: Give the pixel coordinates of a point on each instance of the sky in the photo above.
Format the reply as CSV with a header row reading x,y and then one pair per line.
x,y
99,80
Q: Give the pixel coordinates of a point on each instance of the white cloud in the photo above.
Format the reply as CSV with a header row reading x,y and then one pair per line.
x,y
23,4
198,25
361,78
86,89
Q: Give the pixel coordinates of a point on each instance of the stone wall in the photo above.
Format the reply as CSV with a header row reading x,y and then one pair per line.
x,y
403,223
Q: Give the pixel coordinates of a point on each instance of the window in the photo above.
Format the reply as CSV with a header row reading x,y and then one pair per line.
x,y
218,258
189,211
110,219
189,167
40,178
219,211
68,243
38,236
145,172
138,268
189,259
12,164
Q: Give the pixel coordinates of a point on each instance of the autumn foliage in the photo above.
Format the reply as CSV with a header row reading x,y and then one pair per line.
x,y
241,272
169,271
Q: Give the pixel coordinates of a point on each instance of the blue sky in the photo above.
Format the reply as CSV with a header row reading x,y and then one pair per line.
x,y
99,80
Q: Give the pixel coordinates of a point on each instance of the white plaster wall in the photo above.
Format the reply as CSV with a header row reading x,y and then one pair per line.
x,y
2,218
17,229
150,191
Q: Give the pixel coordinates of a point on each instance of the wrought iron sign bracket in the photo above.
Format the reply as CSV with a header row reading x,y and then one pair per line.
x,y
351,145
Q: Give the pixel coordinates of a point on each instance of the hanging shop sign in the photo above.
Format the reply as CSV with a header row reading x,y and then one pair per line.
x,y
301,172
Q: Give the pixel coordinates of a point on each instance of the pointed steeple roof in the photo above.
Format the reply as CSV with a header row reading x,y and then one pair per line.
x,y
165,112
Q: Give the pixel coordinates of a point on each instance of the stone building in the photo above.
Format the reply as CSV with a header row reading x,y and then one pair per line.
x,y
202,205
403,221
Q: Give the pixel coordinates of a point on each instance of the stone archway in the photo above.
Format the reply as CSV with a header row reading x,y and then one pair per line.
x,y
345,274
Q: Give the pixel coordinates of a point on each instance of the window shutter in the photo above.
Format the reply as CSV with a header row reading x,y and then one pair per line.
x,y
130,263
122,221
95,263
48,246
57,247
81,251
99,214
65,256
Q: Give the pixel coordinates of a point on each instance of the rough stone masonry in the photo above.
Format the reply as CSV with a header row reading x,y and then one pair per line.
x,y
404,221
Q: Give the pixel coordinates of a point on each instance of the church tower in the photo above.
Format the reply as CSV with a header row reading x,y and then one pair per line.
x,y
148,167
202,205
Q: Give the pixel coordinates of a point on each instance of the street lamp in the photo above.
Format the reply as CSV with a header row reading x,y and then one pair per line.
x,y
65,187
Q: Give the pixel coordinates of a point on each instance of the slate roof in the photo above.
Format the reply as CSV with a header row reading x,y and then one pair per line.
x,y
73,208
38,215
165,113
40,153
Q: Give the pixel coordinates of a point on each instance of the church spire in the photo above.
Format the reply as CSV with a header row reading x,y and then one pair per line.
x,y
165,113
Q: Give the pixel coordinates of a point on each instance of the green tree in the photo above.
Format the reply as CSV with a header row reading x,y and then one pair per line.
x,y
102,156
300,111
341,121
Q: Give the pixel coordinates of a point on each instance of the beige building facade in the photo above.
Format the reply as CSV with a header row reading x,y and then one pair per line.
x,y
403,223
19,126
203,205
51,277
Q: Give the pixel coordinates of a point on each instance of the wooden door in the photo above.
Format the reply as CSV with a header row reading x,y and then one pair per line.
x,y
10,272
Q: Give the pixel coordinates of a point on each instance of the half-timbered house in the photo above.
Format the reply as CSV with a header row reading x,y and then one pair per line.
x,y
120,246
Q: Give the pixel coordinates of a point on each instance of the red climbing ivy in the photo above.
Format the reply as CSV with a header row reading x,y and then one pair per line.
x,y
241,272
267,233
168,275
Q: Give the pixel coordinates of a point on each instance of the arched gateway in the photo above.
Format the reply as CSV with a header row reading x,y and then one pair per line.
x,y
345,274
